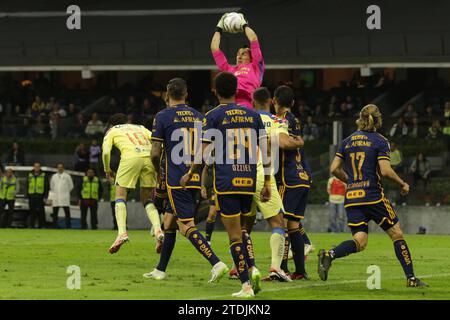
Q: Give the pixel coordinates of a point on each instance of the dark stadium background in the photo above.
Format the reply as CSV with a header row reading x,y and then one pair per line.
x,y
318,48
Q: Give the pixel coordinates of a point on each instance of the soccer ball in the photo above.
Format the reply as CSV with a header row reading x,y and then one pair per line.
x,y
232,22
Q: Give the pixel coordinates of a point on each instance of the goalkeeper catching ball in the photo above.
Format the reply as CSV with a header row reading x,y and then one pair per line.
x,y
250,66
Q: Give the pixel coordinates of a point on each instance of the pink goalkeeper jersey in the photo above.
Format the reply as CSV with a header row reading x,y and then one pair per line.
x,y
249,75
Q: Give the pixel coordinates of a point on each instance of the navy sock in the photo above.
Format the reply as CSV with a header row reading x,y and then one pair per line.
x,y
404,256
170,237
284,262
209,230
298,250
304,235
248,246
202,246
238,253
344,249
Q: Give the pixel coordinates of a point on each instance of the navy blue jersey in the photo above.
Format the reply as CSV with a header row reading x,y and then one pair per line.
x,y
361,152
179,129
294,171
235,160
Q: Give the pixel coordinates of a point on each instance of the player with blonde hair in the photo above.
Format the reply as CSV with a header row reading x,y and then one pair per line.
x,y
361,159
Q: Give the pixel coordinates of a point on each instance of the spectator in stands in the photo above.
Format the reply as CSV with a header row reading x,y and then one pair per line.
x,y
396,157
37,106
147,112
310,130
416,130
112,106
343,110
9,189
410,113
95,126
12,120
132,106
58,110
447,110
49,106
72,111
95,152
81,158
420,168
399,129
446,130
429,114
77,128
435,131
25,130
54,125
319,117
61,185
350,104
332,110
336,192
303,111
38,128
90,192
16,156
37,191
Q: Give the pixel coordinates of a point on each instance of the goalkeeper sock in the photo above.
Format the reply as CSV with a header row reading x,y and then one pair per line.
x,y
170,237
202,246
238,254
303,233
277,247
153,215
121,216
284,262
404,256
248,247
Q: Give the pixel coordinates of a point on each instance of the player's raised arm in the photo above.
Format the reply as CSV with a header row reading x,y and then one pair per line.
x,y
337,169
218,55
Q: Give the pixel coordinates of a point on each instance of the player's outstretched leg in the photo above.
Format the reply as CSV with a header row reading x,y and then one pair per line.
x,y
189,230
121,218
404,256
347,247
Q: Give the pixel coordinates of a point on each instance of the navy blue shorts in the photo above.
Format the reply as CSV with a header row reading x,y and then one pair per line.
x,y
294,202
182,203
230,205
381,213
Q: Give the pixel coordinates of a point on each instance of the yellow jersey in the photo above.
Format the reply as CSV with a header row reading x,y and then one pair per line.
x,y
132,141
274,126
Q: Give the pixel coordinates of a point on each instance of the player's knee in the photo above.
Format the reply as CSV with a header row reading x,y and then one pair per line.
x,y
396,234
361,241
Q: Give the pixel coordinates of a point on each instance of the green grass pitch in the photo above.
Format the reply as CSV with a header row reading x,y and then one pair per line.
x,y
33,265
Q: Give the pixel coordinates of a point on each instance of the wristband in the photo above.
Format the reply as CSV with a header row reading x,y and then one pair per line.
x,y
219,30
190,173
244,26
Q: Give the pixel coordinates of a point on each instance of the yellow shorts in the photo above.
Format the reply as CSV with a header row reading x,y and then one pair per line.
x,y
269,208
133,168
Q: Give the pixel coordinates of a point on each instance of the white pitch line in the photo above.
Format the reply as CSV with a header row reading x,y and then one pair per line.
x,y
321,284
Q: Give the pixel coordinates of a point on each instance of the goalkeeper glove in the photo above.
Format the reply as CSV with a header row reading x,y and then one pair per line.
x,y
220,26
244,23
